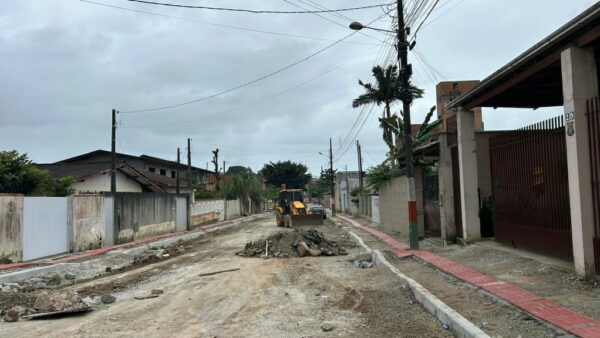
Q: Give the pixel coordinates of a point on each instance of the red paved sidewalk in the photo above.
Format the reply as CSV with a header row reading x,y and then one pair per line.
x,y
539,307
96,252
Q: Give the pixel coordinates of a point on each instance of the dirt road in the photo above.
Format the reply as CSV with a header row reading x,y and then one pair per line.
x,y
283,297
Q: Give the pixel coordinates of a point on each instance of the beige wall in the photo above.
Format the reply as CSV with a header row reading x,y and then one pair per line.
x,y
393,205
101,182
11,225
87,222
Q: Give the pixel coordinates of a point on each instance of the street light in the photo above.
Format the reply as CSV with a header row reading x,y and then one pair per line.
x,y
358,26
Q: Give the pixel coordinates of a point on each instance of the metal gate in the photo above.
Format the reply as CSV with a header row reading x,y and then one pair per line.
x,y
109,216
531,189
431,205
181,213
45,231
593,119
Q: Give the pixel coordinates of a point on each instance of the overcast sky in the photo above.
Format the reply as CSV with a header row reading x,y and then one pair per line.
x,y
67,63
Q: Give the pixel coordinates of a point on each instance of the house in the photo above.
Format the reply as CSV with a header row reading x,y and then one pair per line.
x,y
345,183
542,179
134,173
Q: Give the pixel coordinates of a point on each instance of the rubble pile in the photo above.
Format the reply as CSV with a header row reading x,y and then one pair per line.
x,y
157,254
45,304
296,243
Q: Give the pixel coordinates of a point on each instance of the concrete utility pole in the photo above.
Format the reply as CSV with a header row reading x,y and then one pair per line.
x,y
189,170
407,97
332,179
347,199
224,193
360,172
177,173
113,154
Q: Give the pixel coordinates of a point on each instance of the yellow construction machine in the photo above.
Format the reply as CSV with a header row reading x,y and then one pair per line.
x,y
290,210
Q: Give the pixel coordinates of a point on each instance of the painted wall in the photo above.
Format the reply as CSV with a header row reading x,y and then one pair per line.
x,y
11,227
101,182
393,205
87,219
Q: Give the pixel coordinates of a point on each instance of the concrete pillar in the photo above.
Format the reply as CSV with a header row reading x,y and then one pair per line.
x,y
580,83
467,158
446,190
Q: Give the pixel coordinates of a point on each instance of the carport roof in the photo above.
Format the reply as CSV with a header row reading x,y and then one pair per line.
x,y
534,78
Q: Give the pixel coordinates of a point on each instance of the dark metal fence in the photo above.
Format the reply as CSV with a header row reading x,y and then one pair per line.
x,y
531,190
593,120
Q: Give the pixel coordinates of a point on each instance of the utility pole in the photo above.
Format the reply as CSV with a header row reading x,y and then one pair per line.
x,y
215,161
224,194
189,170
347,199
177,174
360,172
332,178
407,97
113,154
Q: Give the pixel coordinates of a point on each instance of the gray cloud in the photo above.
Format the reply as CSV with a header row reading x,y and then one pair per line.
x,y
66,64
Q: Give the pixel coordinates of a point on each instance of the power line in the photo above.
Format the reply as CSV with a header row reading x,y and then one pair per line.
x,y
222,25
425,19
259,11
222,113
249,82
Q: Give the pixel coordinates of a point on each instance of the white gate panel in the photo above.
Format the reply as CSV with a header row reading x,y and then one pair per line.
x,y
109,227
45,231
375,209
181,213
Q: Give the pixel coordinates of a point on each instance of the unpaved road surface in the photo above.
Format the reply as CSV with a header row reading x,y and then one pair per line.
x,y
282,297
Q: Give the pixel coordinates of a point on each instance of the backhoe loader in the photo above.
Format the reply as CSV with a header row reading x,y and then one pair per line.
x,y
290,210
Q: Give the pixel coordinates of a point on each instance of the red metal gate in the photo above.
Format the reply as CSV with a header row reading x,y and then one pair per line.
x,y
531,189
593,119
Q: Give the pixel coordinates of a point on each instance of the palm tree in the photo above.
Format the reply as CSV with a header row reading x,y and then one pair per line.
x,y
386,90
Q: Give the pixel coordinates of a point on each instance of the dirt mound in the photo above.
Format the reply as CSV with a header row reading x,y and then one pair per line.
x,y
296,243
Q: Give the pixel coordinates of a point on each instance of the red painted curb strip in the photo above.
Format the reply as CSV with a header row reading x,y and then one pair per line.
x,y
538,306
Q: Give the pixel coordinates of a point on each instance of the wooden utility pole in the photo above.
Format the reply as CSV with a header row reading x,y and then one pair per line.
x,y
177,173
332,178
113,154
407,98
224,193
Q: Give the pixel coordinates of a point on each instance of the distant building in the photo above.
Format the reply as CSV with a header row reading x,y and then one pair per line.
x,y
134,173
345,182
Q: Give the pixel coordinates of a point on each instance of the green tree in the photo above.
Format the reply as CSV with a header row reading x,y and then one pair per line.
x,y
245,185
18,175
385,90
293,175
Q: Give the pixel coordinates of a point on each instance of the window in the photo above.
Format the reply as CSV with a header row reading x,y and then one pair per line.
x,y
163,172
151,169
173,174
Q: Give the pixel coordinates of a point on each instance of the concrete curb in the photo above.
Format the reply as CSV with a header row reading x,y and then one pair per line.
x,y
458,324
17,276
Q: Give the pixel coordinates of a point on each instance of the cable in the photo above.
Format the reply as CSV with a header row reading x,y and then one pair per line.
x,y
446,12
249,82
222,25
259,11
331,69
425,19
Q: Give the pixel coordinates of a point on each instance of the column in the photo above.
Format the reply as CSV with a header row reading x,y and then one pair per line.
x,y
580,83
446,190
467,158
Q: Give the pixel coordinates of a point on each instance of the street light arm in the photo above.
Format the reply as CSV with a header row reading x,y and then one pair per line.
x,y
358,26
